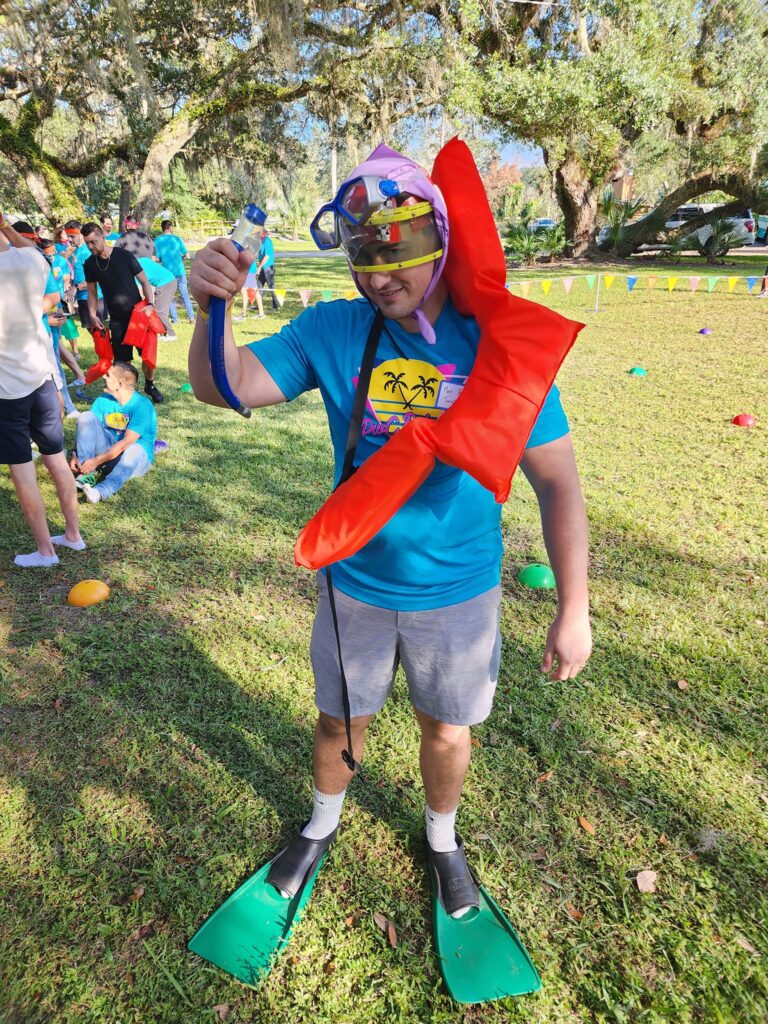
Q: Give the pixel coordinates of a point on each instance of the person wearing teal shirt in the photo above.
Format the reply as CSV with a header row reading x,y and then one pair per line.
x,y
266,267
116,437
79,256
107,228
171,251
164,283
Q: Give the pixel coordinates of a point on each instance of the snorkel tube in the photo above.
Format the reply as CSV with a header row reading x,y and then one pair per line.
x,y
243,237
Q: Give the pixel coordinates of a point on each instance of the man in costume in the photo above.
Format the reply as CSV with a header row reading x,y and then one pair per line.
x,y
424,592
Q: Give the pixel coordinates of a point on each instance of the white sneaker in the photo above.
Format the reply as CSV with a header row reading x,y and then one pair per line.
x,y
238,318
170,336
91,493
72,415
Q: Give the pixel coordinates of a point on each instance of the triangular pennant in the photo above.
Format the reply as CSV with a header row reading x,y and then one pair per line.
x,y
525,287
568,284
751,282
326,293
671,282
545,286
304,295
711,282
652,283
694,283
609,279
591,281
280,293
350,294
732,283
631,282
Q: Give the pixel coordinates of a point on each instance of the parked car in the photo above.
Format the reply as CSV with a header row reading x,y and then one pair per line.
x,y
742,225
541,224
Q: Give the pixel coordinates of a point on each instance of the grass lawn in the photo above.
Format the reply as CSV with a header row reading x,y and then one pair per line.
x,y
155,749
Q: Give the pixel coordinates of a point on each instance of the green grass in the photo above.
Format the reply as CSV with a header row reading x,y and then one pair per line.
x,y
163,739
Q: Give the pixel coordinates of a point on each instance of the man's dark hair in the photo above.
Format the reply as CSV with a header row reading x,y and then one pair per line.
x,y
74,224
165,224
105,216
45,243
125,370
23,228
90,228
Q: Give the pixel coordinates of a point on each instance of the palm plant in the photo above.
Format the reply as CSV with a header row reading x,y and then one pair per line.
x,y
714,244
521,245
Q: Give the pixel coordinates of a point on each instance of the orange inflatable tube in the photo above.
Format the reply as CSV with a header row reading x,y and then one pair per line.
x,y
522,345
103,346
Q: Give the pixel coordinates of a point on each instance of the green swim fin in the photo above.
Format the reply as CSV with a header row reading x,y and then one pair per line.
x,y
481,958
253,926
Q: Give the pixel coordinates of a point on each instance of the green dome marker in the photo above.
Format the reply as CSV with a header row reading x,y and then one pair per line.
x,y
637,371
537,576
186,388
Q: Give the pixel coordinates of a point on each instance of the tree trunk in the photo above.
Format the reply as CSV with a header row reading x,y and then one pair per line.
x,y
51,190
577,197
165,145
125,199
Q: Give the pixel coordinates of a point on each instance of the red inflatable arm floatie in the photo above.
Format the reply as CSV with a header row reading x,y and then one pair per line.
x,y
522,346
103,346
143,331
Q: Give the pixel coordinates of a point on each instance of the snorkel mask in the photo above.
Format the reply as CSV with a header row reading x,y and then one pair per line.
x,y
386,216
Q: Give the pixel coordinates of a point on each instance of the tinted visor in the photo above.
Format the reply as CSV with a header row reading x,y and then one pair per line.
x,y
391,246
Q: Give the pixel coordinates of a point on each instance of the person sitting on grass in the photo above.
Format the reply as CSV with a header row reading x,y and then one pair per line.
x,y
116,437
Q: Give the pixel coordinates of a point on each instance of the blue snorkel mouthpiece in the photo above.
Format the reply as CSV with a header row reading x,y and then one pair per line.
x,y
243,236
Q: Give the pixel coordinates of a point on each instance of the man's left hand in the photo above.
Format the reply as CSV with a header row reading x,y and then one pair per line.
x,y
569,644
149,310
89,466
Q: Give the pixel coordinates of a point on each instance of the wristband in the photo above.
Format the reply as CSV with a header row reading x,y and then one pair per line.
x,y
205,317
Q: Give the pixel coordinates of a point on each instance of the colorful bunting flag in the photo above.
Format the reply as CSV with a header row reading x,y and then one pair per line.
x,y
751,282
350,294
304,295
525,287
711,282
280,293
609,279
732,283
631,282
651,283
591,278
568,284
545,286
671,282
694,283
327,294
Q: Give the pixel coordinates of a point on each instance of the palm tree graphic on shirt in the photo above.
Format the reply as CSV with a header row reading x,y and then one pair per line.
x,y
396,381
424,387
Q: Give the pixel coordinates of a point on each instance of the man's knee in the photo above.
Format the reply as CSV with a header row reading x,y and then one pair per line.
x,y
441,734
86,420
334,728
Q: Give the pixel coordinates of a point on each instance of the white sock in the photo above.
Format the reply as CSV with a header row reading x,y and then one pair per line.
x,y
76,545
326,814
35,560
441,830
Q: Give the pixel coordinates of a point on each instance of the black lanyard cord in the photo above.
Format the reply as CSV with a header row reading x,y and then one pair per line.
x,y
348,468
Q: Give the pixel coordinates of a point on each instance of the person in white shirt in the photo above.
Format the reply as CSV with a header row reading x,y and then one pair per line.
x,y
29,403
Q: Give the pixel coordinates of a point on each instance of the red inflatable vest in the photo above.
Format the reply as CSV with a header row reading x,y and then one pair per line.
x,y
142,333
522,345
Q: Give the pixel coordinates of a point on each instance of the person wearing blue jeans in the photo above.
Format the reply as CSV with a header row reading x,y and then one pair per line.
x,y
170,250
116,438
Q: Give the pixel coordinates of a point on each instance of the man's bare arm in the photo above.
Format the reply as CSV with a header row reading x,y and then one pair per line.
x,y
219,271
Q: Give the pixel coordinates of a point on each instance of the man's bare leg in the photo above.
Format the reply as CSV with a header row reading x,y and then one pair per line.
x,y
24,480
331,773
67,492
444,759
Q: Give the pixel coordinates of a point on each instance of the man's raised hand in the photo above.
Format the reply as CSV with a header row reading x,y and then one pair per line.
x,y
218,270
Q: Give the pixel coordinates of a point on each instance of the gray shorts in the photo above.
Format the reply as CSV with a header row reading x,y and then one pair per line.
x,y
450,656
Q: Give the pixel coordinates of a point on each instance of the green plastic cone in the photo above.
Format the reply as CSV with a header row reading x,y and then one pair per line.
x,y
537,576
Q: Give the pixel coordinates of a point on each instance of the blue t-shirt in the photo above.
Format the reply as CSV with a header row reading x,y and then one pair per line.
x,y
170,249
444,545
82,252
112,236
267,249
138,414
157,274
51,286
